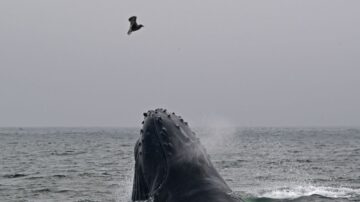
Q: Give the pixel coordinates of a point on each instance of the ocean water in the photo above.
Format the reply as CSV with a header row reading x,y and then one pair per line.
x,y
259,164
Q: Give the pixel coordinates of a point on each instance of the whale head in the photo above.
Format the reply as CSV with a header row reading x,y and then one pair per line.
x,y
169,159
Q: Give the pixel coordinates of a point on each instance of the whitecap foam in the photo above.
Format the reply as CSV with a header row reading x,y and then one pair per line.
x,y
300,191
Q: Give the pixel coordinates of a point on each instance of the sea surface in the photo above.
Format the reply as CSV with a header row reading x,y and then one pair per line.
x,y
259,164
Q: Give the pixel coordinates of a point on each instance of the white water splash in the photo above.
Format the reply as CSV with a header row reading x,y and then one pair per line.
x,y
300,191
124,193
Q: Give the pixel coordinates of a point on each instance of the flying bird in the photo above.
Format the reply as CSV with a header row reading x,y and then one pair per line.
x,y
133,25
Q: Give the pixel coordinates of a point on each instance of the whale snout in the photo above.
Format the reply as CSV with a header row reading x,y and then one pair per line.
x,y
169,129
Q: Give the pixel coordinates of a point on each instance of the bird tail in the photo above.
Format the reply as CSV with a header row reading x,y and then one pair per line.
x,y
129,32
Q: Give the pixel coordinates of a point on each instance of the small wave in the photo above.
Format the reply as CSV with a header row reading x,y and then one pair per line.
x,y
47,190
87,174
16,175
42,190
63,191
67,153
58,176
314,198
301,191
45,177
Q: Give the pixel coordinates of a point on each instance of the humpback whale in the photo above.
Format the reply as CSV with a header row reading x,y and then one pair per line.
x,y
171,165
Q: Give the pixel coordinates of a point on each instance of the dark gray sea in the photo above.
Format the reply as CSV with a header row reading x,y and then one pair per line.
x,y
259,164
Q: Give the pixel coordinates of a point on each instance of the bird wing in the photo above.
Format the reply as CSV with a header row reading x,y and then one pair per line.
x,y
132,20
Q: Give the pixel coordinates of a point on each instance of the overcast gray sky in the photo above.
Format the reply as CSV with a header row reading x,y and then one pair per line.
x,y
247,63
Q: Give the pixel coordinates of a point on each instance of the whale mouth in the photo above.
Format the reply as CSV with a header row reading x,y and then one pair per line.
x,y
151,164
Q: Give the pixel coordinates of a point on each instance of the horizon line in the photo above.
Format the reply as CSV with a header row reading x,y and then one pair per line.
x,y
196,126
